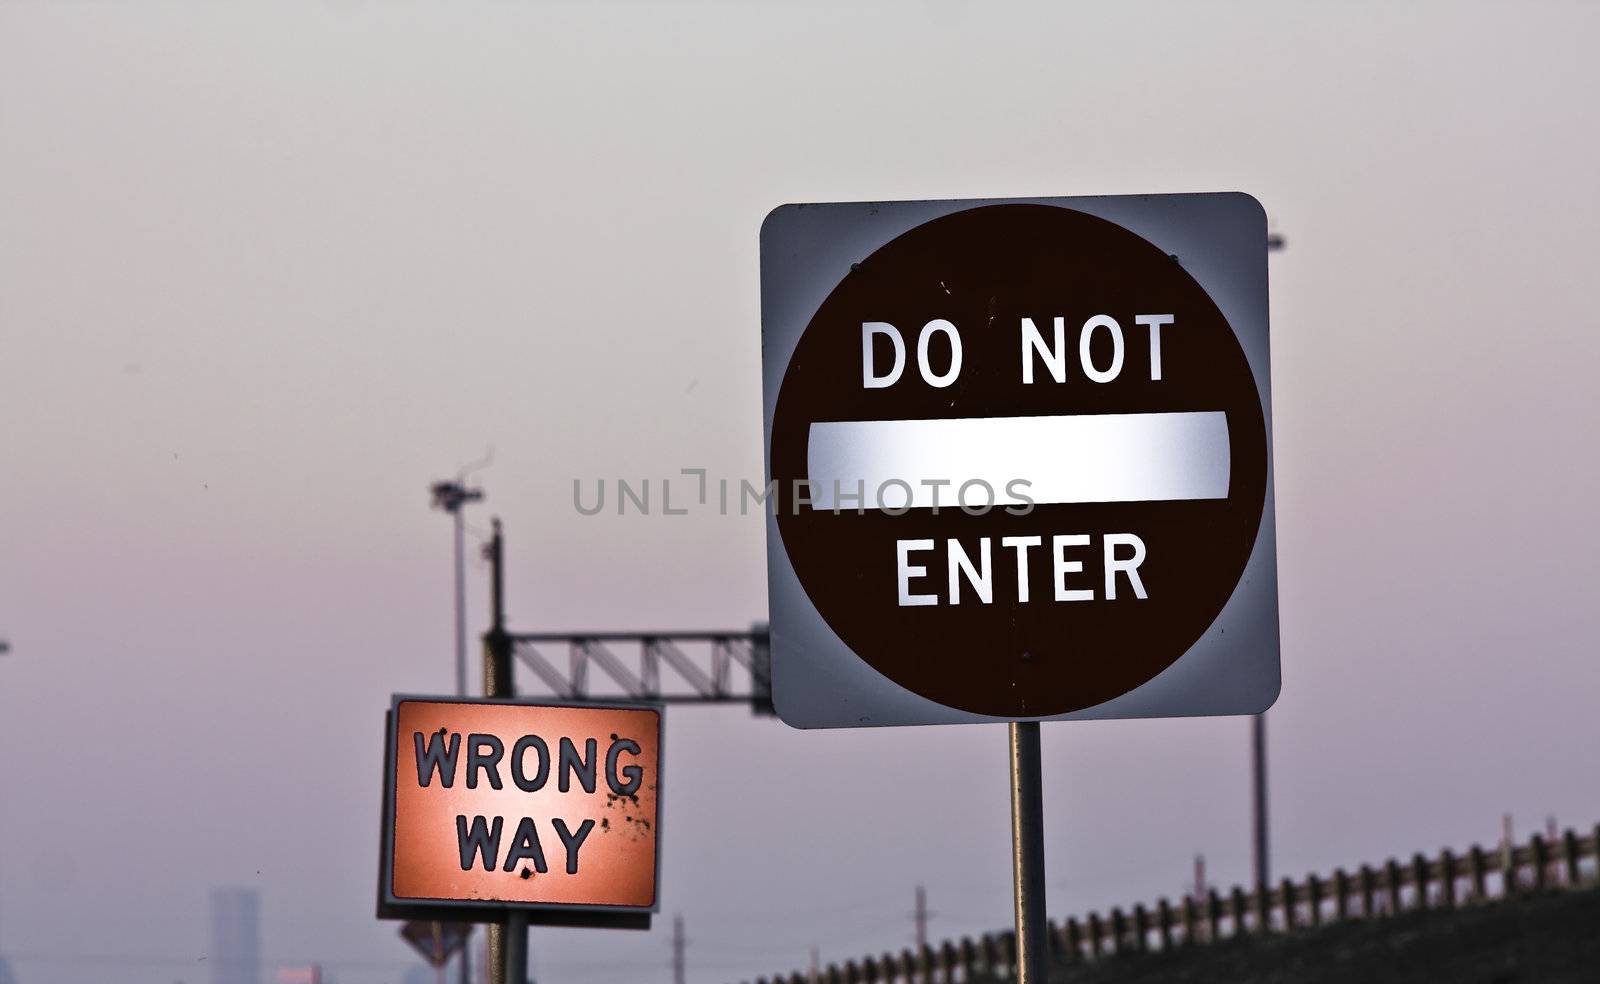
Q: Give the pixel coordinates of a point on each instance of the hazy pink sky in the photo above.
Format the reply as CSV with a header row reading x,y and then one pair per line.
x,y
267,269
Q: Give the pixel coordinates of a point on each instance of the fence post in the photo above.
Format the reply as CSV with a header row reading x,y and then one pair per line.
x,y
1448,873
1001,950
1191,920
1074,939
1237,903
1569,858
1314,897
1419,876
1213,916
1119,929
1508,869
1261,908
1164,923
969,958
852,972
981,961
1478,871
1391,878
1541,863
1141,928
1287,890
1094,935
949,960
1341,895
1364,876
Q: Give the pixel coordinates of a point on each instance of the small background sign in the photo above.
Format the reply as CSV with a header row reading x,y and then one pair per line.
x,y
435,941
493,805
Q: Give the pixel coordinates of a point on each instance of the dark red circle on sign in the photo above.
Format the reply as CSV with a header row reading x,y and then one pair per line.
x,y
984,270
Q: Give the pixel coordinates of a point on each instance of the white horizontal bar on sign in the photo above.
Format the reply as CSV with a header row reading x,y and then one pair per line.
x,y
1109,457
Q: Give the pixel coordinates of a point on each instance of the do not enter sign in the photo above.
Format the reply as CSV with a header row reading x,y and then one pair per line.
x,y
1019,455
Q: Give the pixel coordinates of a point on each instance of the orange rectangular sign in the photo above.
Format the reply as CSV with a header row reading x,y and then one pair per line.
x,y
497,804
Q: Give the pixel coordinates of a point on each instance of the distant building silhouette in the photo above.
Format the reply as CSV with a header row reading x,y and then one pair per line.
x,y
235,955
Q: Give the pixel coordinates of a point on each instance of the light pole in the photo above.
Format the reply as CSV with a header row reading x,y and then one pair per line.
x,y
451,496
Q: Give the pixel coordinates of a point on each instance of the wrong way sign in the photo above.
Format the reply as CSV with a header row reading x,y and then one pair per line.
x,y
1019,460
548,809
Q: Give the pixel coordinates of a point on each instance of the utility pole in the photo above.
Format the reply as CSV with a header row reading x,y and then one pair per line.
x,y
680,944
1260,853
920,916
508,940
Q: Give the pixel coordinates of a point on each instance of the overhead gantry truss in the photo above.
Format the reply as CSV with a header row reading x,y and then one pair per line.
x,y
703,667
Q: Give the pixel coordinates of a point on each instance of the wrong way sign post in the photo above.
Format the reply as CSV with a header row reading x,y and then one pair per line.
x,y
1019,465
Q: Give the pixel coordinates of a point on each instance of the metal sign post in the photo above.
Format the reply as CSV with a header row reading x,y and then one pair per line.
x,y
508,941
1027,852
